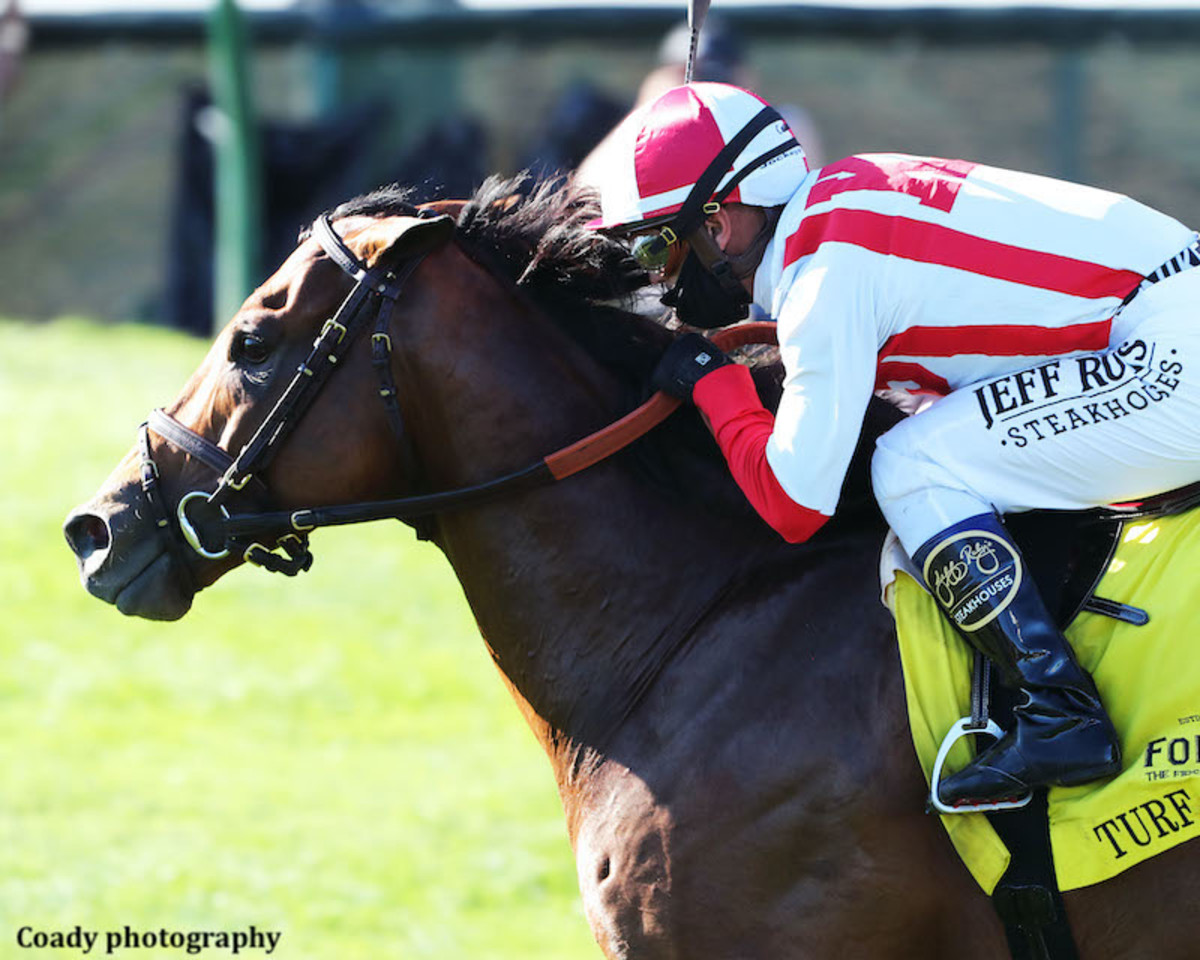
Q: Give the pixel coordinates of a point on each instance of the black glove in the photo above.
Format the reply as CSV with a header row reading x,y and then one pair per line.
x,y
684,363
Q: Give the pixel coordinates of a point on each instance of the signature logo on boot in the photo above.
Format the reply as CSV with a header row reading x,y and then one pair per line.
x,y
974,575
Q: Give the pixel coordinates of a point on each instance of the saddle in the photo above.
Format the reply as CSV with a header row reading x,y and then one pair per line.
x,y
1067,552
1068,838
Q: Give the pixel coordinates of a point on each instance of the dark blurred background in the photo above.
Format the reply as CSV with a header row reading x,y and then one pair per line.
x,y
107,121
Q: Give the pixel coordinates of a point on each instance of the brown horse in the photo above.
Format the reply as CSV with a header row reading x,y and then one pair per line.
x,y
723,712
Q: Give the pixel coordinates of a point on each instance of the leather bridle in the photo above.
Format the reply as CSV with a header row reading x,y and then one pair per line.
x,y
200,515
278,539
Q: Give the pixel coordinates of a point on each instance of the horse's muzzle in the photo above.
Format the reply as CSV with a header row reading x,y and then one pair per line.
x,y
117,565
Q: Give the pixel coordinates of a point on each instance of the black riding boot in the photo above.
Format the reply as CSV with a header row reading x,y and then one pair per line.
x,y
1062,735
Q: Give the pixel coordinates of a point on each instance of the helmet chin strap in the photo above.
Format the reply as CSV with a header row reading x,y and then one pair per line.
x,y
729,270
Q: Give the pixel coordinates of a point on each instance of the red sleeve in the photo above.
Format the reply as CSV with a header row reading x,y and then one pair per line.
x,y
741,426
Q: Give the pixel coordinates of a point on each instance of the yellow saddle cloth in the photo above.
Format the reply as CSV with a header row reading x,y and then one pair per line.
x,y
1149,679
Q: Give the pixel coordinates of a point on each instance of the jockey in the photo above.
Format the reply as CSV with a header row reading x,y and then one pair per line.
x,y
1045,329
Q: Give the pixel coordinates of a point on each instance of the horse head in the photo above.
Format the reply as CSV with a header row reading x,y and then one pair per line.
x,y
128,539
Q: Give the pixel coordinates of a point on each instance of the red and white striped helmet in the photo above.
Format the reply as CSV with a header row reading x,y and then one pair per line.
x,y
662,149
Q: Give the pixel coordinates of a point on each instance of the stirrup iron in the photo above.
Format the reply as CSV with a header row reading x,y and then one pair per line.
x,y
965,727
979,722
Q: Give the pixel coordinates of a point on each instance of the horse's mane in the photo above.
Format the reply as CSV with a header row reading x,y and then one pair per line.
x,y
533,234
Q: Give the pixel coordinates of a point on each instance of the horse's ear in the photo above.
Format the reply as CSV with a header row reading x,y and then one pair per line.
x,y
401,238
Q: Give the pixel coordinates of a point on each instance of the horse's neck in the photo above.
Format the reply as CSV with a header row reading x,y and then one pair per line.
x,y
583,590
584,593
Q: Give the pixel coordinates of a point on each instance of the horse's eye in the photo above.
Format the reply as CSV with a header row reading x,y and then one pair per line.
x,y
249,348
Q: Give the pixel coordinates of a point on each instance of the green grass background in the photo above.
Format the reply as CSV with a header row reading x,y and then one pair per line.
x,y
332,757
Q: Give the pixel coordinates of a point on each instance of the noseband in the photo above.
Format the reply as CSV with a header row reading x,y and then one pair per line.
x,y
278,540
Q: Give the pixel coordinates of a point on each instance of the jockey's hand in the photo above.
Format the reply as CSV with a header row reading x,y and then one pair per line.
x,y
685,363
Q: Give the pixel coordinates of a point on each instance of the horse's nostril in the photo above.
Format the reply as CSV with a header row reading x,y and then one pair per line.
x,y
86,534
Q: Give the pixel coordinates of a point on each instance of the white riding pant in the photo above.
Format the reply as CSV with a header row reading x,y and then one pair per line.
x,y
1068,434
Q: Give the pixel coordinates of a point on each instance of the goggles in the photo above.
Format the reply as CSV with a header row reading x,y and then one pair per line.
x,y
652,251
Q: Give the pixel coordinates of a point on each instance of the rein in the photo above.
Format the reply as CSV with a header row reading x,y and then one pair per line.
x,y
204,520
